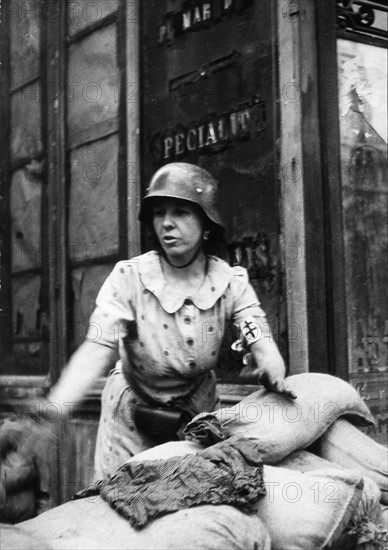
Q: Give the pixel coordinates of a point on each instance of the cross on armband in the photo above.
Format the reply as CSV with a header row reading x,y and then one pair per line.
x,y
250,331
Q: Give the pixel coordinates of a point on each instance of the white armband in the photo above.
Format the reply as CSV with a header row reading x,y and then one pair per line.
x,y
250,331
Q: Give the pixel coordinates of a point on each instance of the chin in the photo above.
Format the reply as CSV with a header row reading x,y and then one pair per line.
x,y
174,252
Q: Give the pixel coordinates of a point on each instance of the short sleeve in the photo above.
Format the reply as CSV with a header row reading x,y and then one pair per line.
x,y
245,301
113,309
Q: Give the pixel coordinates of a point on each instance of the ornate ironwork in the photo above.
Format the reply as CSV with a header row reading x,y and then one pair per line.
x,y
357,18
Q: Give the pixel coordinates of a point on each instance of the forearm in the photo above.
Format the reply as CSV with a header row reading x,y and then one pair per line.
x,y
267,356
270,367
85,366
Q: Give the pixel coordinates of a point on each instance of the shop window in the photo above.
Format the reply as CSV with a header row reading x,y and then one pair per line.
x,y
210,98
362,78
63,175
25,332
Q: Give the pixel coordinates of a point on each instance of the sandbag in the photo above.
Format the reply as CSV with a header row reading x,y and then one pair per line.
x,y
17,538
367,527
168,450
304,461
308,510
11,433
384,517
301,510
367,522
369,504
368,508
345,445
18,474
18,507
282,425
90,523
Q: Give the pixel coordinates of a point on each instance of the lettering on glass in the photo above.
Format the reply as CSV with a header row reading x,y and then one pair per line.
x,y
211,135
197,16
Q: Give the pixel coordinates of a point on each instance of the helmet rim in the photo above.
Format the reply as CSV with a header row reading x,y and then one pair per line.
x,y
192,189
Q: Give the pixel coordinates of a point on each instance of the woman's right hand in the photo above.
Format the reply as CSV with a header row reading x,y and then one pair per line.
x,y
36,432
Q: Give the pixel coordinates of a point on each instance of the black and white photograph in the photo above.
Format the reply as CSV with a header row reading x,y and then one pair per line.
x,y
193,275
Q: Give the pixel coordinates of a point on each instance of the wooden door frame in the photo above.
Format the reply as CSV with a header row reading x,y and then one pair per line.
x,y
311,189
326,24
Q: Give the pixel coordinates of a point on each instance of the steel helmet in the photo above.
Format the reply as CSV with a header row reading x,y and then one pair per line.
x,y
180,180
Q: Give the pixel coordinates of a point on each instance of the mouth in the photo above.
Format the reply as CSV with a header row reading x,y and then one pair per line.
x,y
168,239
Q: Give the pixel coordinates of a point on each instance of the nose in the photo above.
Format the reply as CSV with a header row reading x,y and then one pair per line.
x,y
168,220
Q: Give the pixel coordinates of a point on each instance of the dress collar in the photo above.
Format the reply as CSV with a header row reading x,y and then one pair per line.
x,y
217,279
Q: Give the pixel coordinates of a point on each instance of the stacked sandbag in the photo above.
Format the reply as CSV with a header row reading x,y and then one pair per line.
x,y
308,510
168,450
18,474
369,504
345,445
18,538
302,509
366,527
307,506
282,425
384,517
91,524
367,524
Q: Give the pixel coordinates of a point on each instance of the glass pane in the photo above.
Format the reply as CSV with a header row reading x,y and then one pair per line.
x,y
86,283
25,18
26,122
363,129
26,197
93,80
25,307
93,217
29,322
82,13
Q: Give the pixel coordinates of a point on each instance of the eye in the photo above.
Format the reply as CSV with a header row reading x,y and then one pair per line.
x,y
158,212
182,211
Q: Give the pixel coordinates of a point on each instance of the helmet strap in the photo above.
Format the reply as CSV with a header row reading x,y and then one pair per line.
x,y
184,265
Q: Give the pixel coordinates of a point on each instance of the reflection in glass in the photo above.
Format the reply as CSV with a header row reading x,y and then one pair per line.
x,y
363,130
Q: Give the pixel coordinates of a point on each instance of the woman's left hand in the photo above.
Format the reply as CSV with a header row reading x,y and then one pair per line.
x,y
269,366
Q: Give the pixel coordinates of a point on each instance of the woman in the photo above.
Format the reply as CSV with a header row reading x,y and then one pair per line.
x,y
166,312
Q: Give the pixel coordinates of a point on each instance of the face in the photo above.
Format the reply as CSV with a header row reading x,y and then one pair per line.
x,y
179,226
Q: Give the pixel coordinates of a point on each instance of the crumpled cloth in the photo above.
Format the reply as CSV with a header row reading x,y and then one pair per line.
x,y
205,429
230,472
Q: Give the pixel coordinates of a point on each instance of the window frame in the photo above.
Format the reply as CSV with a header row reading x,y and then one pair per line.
x,y
54,53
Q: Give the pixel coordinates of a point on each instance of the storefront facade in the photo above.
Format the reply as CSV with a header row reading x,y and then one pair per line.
x,y
267,95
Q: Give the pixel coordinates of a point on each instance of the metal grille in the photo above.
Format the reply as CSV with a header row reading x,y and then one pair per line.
x,y
363,21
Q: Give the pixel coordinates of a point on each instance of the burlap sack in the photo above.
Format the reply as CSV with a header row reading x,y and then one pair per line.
x,y
367,521
18,474
345,445
302,511
282,425
18,538
91,524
